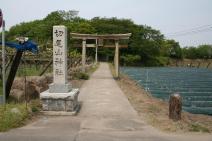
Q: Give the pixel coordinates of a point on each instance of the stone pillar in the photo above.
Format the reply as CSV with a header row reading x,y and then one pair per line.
x,y
83,54
60,96
60,84
117,59
96,55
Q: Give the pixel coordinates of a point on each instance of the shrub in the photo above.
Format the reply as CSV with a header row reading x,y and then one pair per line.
x,y
35,105
82,75
156,61
130,60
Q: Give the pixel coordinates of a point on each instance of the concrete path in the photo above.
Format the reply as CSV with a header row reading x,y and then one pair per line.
x,y
106,115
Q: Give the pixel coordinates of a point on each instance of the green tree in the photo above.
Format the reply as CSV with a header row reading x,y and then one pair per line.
x,y
147,43
173,49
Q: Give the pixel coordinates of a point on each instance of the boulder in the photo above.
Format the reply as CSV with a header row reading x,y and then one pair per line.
x,y
18,83
17,95
32,92
15,111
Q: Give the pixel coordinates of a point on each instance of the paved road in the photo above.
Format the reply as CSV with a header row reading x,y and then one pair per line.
x,y
106,115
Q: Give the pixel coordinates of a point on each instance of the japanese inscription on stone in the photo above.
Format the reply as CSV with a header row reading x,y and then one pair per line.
x,y
59,54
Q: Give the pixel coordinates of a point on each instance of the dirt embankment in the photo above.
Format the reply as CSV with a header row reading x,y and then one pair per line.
x,y
155,111
198,63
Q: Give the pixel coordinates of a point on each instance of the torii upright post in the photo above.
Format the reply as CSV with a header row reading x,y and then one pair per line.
x,y
83,54
116,58
96,55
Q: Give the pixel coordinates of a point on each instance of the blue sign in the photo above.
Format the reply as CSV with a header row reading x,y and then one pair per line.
x,y
26,46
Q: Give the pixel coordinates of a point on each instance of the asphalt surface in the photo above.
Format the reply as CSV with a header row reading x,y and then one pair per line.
x,y
105,115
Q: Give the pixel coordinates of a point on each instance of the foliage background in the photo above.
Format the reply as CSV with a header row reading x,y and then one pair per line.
x,y
147,46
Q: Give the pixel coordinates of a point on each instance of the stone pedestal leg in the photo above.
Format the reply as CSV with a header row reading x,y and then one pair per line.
x,y
83,55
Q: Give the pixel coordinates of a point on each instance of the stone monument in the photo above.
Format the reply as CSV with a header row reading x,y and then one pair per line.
x,y
60,96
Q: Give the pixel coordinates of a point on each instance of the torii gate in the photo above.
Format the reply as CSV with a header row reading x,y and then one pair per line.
x,y
115,37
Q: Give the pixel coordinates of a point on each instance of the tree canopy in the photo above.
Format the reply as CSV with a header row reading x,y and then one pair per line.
x,y
147,44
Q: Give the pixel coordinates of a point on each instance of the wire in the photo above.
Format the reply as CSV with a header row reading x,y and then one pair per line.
x,y
191,33
196,30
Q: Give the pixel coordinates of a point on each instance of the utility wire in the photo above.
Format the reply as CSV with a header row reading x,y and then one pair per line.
x,y
191,29
196,30
191,32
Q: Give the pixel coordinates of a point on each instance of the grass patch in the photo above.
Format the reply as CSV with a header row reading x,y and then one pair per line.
x,y
93,69
31,70
1,90
154,108
35,106
195,127
85,75
81,75
12,115
16,115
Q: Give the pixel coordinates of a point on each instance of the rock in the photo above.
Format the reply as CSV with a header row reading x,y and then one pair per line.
x,y
18,83
32,91
49,78
17,95
34,86
15,111
38,80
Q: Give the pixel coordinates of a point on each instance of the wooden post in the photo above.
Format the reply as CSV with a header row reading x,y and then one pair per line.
x,y
199,63
13,71
191,64
83,54
176,63
208,65
175,107
117,59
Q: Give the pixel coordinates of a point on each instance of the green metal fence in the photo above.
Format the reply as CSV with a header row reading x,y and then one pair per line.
x,y
193,84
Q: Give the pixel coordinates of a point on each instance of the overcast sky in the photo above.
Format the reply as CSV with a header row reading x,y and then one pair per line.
x,y
189,21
